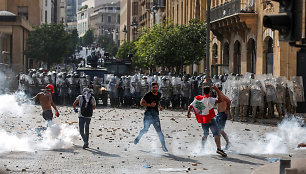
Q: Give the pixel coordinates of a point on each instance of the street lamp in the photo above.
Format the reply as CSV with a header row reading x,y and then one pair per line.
x,y
124,31
117,37
134,26
154,9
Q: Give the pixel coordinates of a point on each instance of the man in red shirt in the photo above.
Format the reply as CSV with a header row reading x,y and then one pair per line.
x,y
204,111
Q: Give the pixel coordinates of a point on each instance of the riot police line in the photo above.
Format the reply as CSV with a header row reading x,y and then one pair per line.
x,y
252,96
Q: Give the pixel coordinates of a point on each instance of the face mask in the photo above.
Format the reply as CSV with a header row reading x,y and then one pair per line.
x,y
46,91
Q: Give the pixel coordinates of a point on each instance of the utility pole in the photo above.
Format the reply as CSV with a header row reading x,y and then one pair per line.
x,y
207,80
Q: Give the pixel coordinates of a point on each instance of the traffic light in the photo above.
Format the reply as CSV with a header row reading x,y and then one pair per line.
x,y
289,20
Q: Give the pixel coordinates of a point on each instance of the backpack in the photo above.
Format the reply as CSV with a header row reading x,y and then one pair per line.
x,y
86,111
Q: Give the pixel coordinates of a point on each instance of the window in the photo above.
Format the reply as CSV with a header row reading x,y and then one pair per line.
x,y
109,19
110,8
23,11
31,63
46,3
135,8
46,16
102,17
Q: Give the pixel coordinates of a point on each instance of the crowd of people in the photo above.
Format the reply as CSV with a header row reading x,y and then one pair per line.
x,y
248,97
253,96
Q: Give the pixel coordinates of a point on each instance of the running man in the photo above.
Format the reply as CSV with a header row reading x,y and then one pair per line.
x,y
223,110
204,111
151,116
46,102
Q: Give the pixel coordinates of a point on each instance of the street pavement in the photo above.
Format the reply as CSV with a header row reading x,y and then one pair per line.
x,y
112,132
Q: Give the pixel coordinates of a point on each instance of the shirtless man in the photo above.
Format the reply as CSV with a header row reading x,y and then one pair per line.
x,y
222,116
46,102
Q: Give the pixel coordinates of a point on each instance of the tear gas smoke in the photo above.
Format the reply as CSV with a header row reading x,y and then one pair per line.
x,y
289,133
16,105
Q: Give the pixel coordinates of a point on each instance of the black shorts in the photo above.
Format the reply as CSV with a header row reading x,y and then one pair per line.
x,y
47,114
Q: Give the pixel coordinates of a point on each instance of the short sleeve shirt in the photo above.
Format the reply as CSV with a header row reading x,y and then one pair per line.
x,y
150,98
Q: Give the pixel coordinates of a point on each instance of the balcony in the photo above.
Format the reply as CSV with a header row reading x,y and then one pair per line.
x,y
232,7
234,16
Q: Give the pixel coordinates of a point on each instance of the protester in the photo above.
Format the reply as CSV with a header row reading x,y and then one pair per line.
x,y
223,109
87,104
46,102
204,111
151,116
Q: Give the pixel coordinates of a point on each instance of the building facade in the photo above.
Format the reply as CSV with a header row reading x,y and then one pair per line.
x,y
16,21
138,14
105,20
181,12
46,11
239,42
83,15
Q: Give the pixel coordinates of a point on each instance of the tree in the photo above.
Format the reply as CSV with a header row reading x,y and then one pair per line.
x,y
108,44
125,49
145,56
49,43
88,38
75,38
171,46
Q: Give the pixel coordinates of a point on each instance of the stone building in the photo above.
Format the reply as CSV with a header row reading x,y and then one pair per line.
x,y
105,20
16,21
239,41
138,14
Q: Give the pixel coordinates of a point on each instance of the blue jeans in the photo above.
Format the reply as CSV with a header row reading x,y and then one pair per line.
x,y
221,120
151,116
84,122
213,127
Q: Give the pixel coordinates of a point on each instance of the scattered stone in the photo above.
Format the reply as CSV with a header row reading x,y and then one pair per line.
x,y
23,170
194,164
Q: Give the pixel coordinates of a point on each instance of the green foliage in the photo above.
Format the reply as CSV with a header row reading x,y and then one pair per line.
x,y
75,37
49,43
83,7
171,46
108,44
125,49
88,38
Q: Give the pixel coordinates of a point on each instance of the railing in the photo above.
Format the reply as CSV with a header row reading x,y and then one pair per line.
x,y
232,7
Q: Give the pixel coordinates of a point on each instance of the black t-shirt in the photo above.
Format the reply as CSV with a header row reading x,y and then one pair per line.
x,y
150,98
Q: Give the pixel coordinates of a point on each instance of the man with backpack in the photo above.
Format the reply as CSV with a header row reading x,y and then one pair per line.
x,y
87,104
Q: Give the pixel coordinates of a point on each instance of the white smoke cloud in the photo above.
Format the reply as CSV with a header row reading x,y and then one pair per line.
x,y
289,133
18,106
59,137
